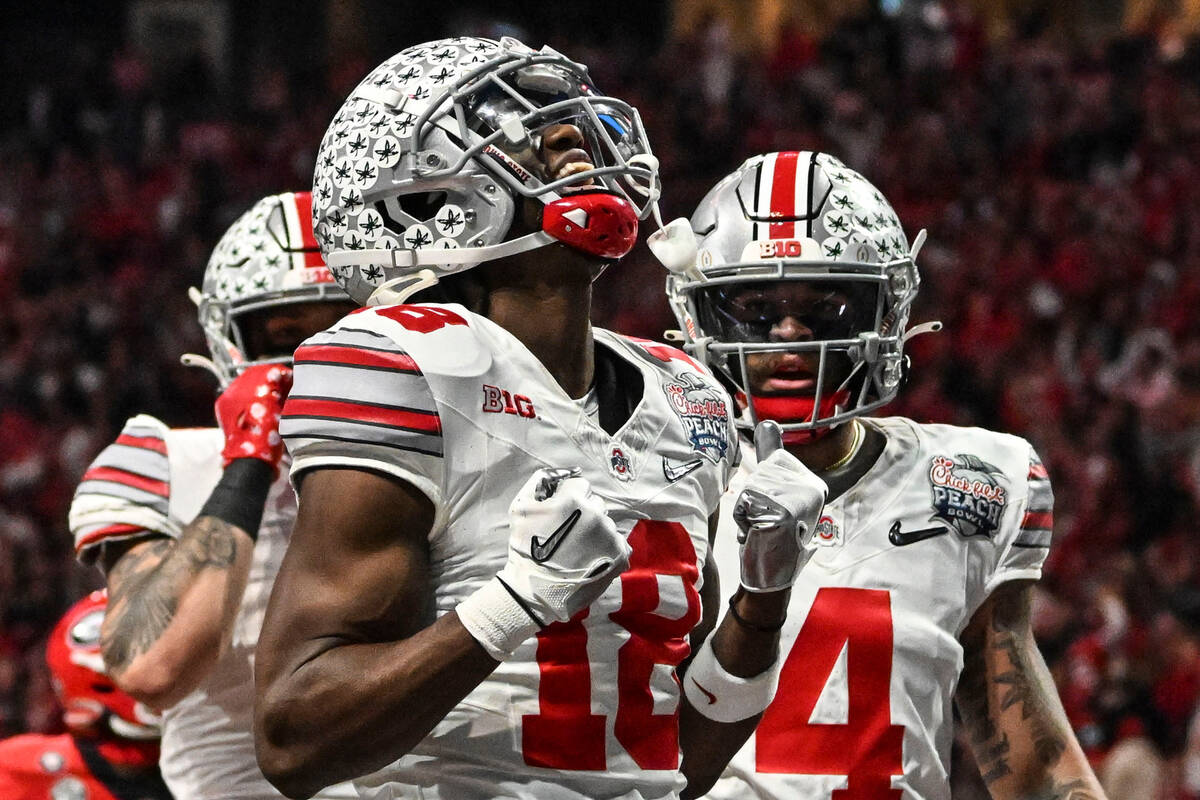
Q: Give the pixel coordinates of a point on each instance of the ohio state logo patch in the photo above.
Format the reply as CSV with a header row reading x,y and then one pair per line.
x,y
618,465
967,494
828,533
704,412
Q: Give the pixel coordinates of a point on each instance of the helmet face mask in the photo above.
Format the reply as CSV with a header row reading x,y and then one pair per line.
x,y
91,702
437,149
799,236
266,260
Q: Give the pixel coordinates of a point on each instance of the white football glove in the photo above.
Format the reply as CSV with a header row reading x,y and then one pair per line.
x,y
776,514
563,552
563,549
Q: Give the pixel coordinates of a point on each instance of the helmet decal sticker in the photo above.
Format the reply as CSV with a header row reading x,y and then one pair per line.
x,y
436,142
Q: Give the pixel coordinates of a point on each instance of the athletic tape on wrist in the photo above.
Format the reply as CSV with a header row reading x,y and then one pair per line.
x,y
723,697
496,619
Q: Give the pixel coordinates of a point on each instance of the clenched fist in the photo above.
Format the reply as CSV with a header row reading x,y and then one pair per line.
x,y
248,412
776,514
563,548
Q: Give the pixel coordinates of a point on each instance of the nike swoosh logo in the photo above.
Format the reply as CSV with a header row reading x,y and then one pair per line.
x,y
674,470
542,549
901,538
712,698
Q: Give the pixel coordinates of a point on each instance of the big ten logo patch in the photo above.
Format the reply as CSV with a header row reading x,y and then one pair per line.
x,y
501,401
967,494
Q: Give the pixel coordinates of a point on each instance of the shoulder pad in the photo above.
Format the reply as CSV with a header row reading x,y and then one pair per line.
x,y
664,353
442,339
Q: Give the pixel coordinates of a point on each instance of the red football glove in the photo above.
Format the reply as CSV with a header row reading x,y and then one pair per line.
x,y
248,411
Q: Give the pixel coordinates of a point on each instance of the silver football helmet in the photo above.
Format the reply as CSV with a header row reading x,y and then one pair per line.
x,y
420,172
267,258
800,217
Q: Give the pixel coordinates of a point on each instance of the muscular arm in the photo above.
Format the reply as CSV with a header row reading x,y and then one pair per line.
x,y
1016,724
171,608
347,677
708,745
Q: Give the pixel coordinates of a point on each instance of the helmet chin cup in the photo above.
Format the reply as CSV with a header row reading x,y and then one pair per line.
x,y
600,224
794,410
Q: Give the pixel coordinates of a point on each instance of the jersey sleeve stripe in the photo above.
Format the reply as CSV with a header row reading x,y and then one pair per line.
x,y
390,416
304,442
1041,496
300,432
144,442
357,357
122,491
1037,471
135,460
1033,538
367,386
116,475
118,531
347,336
1037,520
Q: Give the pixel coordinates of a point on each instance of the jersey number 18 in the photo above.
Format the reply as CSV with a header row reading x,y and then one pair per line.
x,y
566,734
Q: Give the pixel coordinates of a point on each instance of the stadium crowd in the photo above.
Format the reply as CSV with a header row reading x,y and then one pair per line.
x,y
1055,179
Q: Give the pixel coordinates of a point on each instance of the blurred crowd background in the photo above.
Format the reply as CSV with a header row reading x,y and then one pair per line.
x,y
1052,151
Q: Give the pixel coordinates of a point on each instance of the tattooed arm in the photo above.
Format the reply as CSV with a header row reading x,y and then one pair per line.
x,y
1018,730
171,608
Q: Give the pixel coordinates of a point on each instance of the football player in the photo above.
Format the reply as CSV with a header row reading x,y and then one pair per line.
x,y
916,591
189,525
110,749
497,564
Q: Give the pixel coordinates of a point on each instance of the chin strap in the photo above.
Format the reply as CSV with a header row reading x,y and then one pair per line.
x,y
675,246
925,327
204,362
600,224
398,290
430,256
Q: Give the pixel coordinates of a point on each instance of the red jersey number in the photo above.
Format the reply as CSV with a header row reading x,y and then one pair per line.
x,y
868,749
422,319
566,734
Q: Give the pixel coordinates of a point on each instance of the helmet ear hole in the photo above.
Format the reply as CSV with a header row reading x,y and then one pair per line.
x,y
418,205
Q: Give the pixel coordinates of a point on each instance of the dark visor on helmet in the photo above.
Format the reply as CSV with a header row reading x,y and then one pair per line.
x,y
753,312
537,94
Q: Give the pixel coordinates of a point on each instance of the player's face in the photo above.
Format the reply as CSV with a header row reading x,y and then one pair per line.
x,y
277,332
791,311
556,146
560,152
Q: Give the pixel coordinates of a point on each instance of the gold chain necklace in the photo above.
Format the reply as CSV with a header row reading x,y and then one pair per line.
x,y
855,445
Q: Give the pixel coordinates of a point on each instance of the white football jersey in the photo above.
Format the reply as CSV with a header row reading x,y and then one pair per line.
x,y
455,405
872,656
153,481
